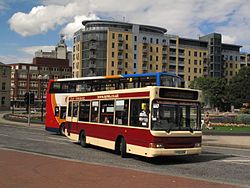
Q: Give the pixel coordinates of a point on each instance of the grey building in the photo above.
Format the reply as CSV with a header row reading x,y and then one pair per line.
x,y
5,73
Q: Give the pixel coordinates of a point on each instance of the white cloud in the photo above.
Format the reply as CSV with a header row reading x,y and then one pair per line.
x,y
181,17
42,18
11,59
69,30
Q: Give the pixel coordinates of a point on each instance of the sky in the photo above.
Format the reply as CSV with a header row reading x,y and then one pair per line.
x,y
30,25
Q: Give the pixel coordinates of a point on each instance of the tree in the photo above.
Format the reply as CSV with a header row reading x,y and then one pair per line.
x,y
214,90
239,88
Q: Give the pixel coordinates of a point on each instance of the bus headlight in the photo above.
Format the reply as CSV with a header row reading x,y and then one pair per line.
x,y
197,145
156,145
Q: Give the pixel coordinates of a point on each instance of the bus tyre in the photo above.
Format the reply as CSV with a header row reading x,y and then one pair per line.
x,y
83,140
123,148
62,129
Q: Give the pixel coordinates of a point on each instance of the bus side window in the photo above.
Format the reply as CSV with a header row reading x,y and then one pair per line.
x,y
57,111
84,109
139,112
107,112
69,109
94,111
63,112
75,109
121,113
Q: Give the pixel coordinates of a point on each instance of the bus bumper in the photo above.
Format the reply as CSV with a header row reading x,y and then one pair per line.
x,y
154,152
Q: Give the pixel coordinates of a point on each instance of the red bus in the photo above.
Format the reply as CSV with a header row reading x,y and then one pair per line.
x,y
58,90
150,121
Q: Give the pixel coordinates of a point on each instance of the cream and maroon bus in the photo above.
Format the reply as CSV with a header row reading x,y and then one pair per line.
x,y
150,121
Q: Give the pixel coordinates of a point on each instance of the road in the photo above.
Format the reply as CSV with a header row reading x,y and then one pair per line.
x,y
216,164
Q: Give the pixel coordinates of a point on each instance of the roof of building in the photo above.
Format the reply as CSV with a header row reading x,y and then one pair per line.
x,y
124,24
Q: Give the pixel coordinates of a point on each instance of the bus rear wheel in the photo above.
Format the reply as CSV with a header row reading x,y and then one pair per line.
x,y
83,140
123,148
62,129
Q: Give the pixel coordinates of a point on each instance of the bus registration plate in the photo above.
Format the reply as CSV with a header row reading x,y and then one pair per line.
x,y
181,152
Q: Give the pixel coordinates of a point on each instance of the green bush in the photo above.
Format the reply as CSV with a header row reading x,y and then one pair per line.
x,y
243,118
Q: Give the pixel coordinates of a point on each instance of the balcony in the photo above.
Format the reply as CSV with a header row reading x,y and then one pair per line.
x,y
164,69
172,63
164,61
120,39
120,66
181,54
144,41
120,57
164,52
172,53
92,56
144,67
92,47
92,65
120,47
145,59
181,63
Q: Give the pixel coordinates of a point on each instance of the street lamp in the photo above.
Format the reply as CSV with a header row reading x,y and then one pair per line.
x,y
13,95
42,78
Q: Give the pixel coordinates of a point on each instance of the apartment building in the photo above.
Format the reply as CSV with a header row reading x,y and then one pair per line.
x,y
110,48
4,87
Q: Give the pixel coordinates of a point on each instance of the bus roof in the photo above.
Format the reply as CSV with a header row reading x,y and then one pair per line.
x,y
118,76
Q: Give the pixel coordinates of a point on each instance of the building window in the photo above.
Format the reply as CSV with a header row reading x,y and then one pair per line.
x,y
189,61
157,41
126,64
126,37
113,54
113,36
135,47
113,64
156,67
195,54
189,53
189,69
3,86
126,46
150,66
195,62
113,45
126,55
135,38
156,58
112,72
151,58
134,65
134,56
195,70
151,49
3,100
200,54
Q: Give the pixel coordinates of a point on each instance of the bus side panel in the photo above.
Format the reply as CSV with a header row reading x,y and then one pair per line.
x,y
135,136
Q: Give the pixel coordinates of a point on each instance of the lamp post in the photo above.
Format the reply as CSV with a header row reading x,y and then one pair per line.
x,y
13,95
42,78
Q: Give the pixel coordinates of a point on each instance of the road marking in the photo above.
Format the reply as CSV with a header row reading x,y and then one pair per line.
x,y
3,134
237,161
38,140
64,139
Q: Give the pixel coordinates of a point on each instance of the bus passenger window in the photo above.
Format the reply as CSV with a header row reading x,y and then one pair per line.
x,y
63,112
84,111
139,112
94,111
69,109
121,113
57,111
75,109
107,112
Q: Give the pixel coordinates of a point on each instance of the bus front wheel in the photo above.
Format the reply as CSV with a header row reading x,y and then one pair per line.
x,y
83,140
123,148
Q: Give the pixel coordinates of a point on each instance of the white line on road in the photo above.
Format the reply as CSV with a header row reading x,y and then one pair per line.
x,y
3,134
